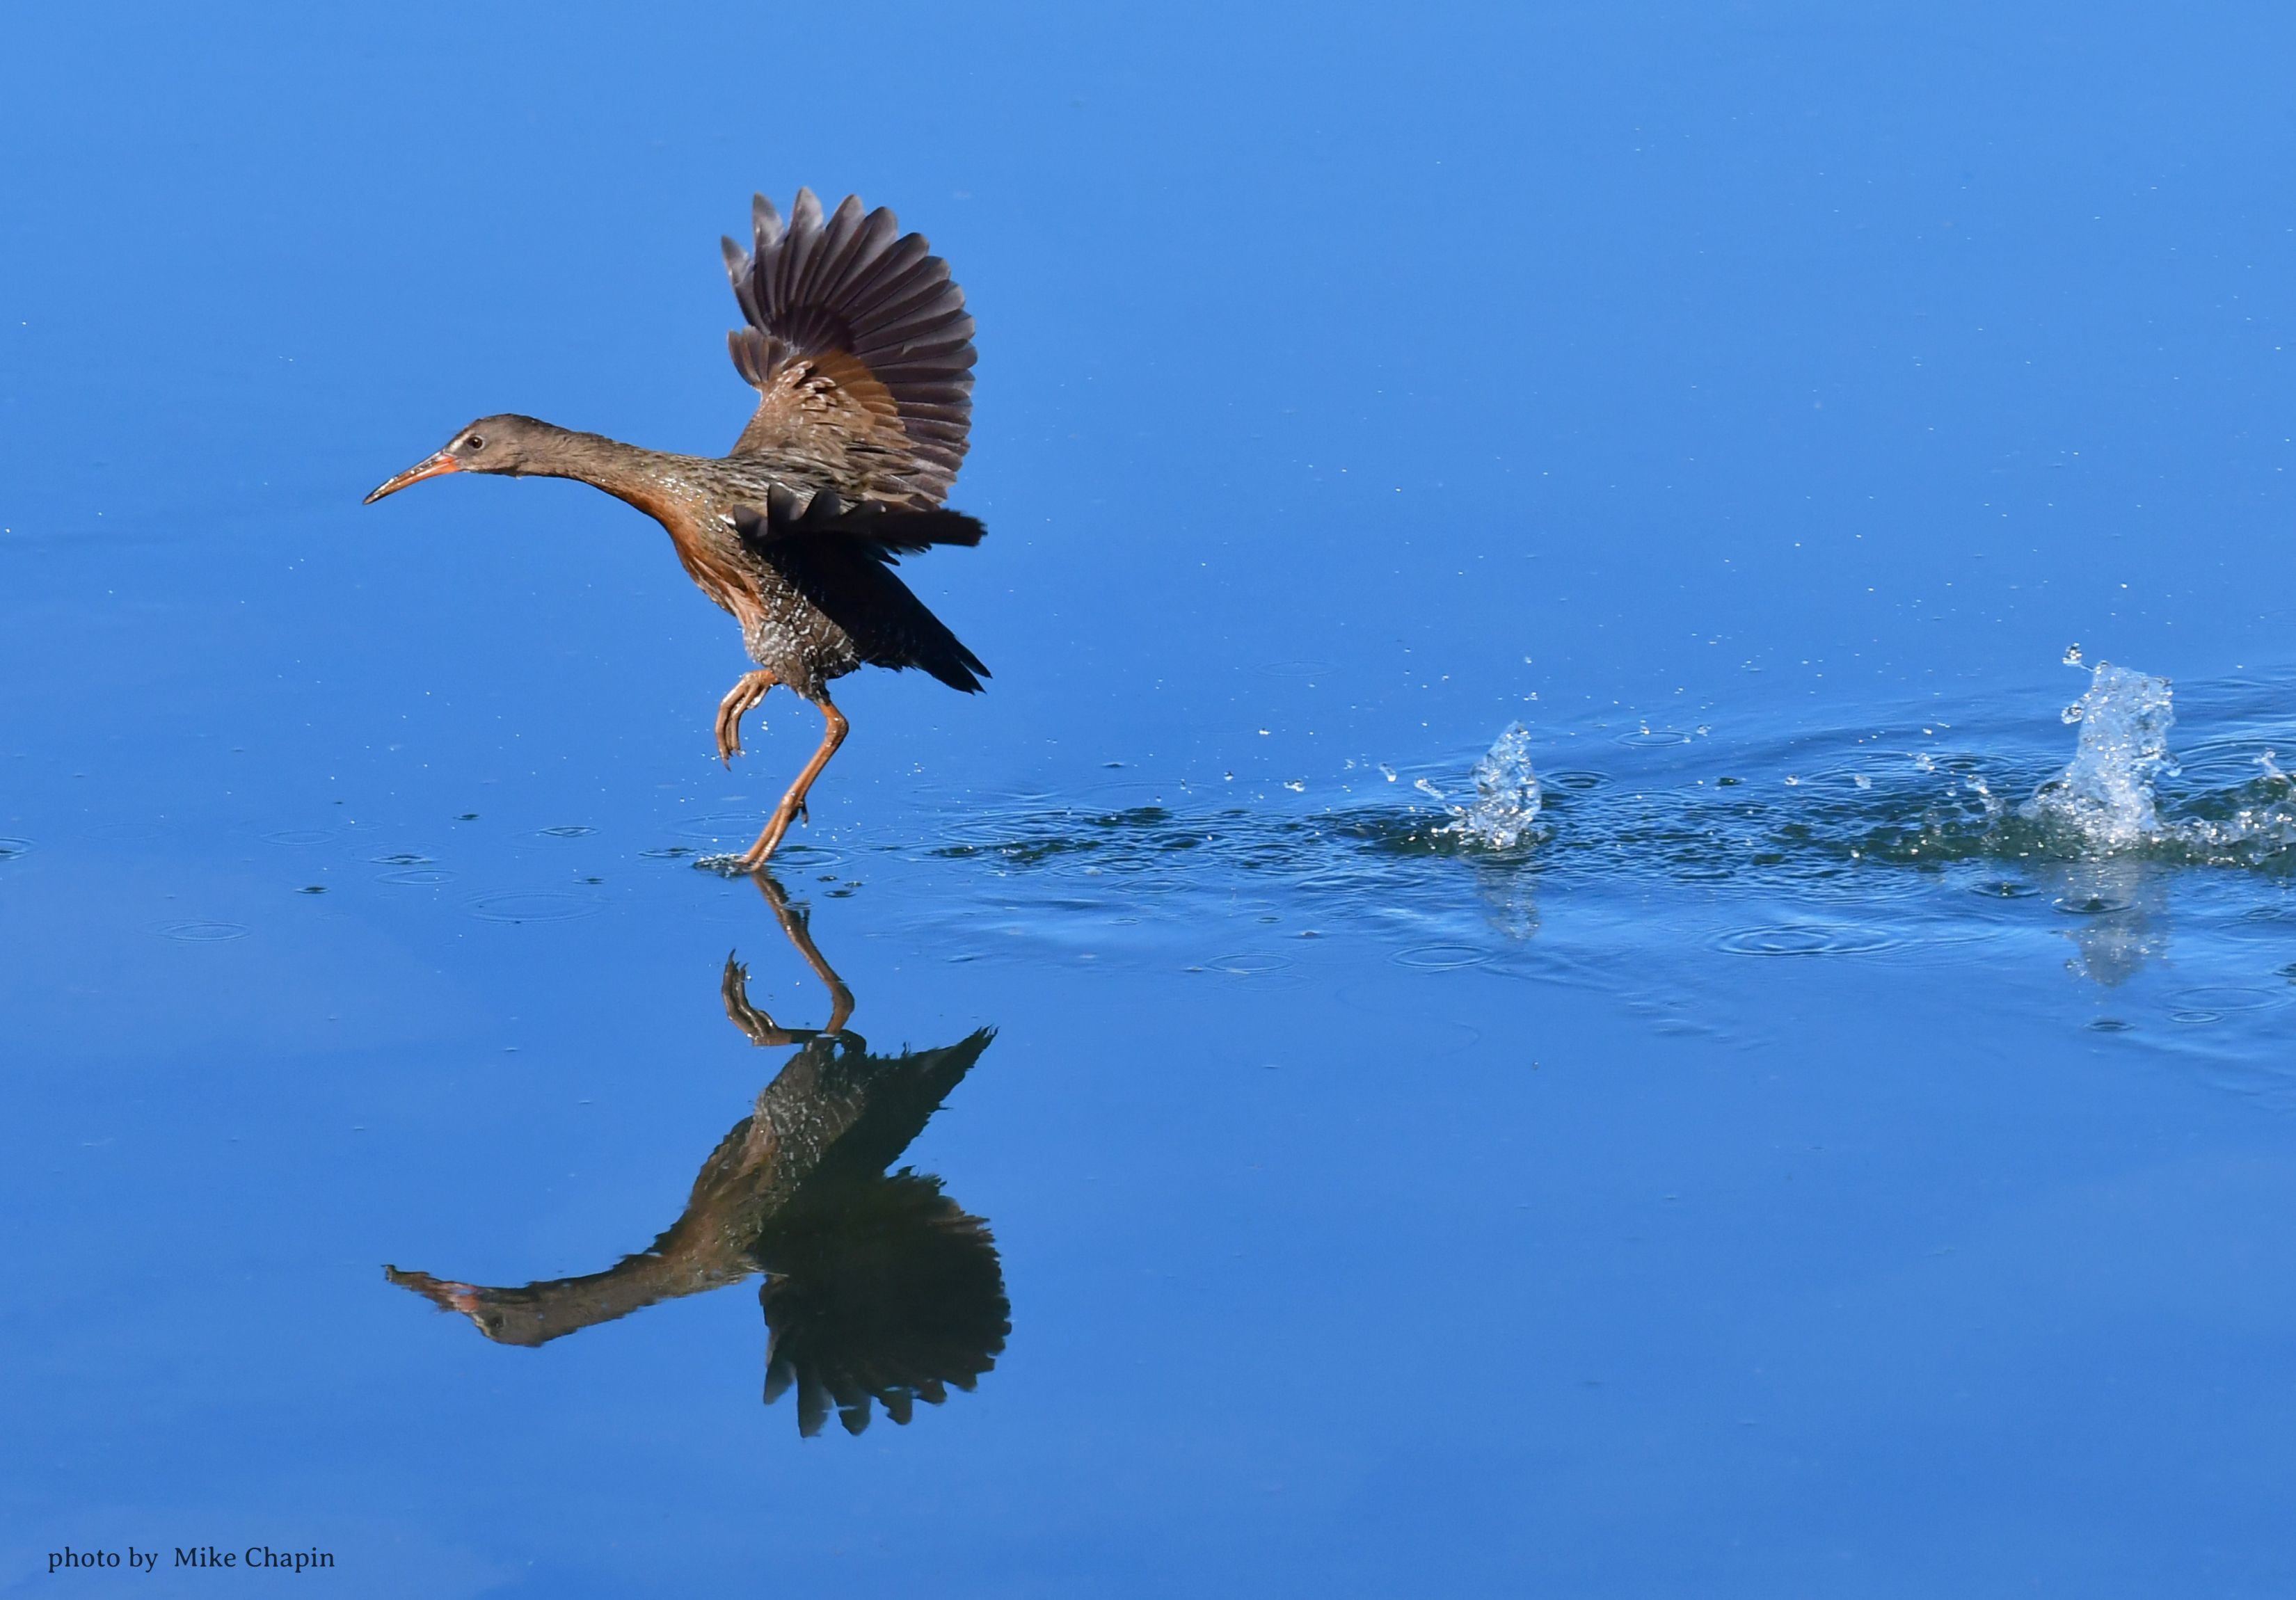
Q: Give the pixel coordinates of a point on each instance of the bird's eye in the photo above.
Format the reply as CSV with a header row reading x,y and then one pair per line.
x,y
474,443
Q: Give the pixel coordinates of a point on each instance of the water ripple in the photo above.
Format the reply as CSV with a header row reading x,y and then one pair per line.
x,y
534,905
1805,939
202,932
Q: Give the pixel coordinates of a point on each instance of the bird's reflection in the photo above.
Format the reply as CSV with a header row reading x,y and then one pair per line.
x,y
877,1286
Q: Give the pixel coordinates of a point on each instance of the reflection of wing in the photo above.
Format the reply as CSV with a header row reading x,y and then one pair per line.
x,y
879,1289
860,347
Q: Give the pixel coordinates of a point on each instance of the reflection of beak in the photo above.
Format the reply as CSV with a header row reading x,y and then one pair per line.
x,y
429,466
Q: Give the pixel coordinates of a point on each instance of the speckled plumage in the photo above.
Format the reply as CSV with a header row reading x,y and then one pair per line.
x,y
861,351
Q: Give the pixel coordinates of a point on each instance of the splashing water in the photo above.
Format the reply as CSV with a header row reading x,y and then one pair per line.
x,y
1506,809
2105,794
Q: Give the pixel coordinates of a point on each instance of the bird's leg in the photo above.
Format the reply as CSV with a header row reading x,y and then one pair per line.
x,y
793,802
752,688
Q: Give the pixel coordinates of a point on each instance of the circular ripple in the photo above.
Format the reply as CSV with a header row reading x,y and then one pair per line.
x,y
420,877
1804,938
2002,889
739,828
10,848
2265,922
2090,905
1574,779
538,906
1653,736
1249,965
1441,958
301,836
202,933
724,825
572,830
130,831
403,858
2220,999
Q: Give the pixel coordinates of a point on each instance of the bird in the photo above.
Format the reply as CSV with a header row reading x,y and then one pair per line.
x,y
860,347
877,1286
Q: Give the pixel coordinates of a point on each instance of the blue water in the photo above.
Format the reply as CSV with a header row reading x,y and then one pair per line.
x,y
1839,1143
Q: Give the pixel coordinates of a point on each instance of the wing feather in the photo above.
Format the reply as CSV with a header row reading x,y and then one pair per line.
x,y
859,344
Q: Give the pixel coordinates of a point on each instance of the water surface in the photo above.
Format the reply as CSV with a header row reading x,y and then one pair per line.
x,y
1165,1126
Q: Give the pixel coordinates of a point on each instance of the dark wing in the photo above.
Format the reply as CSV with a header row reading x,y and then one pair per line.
x,y
826,513
888,1292
861,348
879,1288
840,558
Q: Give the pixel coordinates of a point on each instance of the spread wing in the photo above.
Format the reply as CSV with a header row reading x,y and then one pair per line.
x,y
861,348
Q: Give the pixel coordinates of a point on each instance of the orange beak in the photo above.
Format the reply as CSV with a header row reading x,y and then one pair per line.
x,y
429,466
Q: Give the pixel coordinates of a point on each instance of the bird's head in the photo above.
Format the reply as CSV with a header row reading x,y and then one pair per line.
x,y
493,444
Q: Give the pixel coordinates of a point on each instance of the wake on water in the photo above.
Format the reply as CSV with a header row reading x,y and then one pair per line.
x,y
1788,845
1843,814
2106,800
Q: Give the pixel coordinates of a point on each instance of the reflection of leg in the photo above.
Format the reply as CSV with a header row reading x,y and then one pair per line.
x,y
752,688
799,926
734,987
792,804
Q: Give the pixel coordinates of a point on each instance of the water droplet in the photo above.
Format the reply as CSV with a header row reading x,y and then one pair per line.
x,y
1507,797
2105,794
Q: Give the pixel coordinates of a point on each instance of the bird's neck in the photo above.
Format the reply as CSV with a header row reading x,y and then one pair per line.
x,y
658,484
674,490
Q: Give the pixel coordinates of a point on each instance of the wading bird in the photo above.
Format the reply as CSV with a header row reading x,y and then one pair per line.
x,y
860,346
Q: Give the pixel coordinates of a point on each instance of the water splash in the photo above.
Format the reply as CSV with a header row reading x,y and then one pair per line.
x,y
2104,795
1951,816
1506,808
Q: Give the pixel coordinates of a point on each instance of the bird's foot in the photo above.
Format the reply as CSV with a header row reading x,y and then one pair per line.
x,y
744,695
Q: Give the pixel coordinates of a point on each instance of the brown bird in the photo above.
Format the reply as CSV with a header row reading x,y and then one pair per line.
x,y
859,344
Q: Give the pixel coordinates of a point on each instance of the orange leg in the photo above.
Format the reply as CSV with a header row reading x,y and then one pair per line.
x,y
752,688
792,806
734,987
